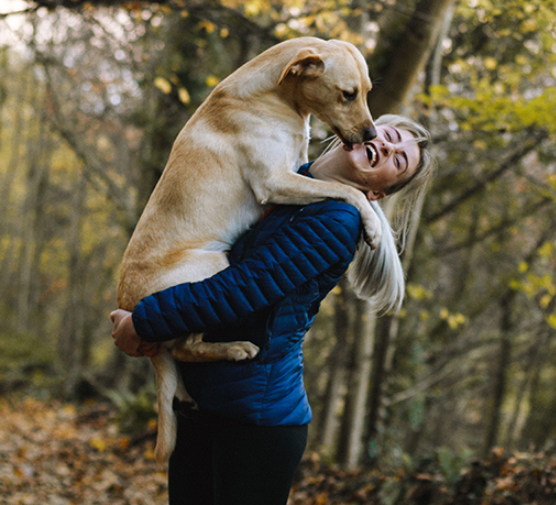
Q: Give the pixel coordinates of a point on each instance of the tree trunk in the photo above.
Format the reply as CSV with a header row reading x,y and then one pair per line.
x,y
72,325
3,89
499,390
31,213
533,363
380,350
350,446
328,421
540,419
10,255
407,57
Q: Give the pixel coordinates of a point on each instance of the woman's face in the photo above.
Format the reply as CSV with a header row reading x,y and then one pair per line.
x,y
391,158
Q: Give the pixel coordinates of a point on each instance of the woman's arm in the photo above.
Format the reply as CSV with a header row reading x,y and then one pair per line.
x,y
294,254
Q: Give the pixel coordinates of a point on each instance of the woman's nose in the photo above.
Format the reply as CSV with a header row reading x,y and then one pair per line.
x,y
387,148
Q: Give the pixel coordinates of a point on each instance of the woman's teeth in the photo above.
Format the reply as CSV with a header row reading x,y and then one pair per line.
x,y
371,154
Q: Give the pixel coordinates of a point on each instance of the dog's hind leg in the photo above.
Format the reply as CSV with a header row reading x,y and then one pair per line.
x,y
181,393
193,348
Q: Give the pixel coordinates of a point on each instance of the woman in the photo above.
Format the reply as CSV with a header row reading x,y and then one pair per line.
x,y
244,443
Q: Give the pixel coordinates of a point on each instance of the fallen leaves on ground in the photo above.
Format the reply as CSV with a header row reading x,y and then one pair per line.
x,y
505,479
58,454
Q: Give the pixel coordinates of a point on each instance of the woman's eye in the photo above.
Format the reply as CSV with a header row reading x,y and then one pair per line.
x,y
350,95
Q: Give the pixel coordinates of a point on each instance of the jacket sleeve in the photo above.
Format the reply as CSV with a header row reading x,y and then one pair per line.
x,y
300,250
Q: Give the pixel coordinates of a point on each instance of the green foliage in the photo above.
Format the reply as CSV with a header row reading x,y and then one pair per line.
x,y
490,109
136,411
390,490
452,463
26,362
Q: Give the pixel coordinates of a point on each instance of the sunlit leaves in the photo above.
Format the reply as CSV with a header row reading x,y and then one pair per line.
x,y
487,107
183,95
163,85
418,292
539,284
454,320
212,81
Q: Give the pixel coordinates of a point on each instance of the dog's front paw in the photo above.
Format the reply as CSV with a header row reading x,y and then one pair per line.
x,y
239,351
372,231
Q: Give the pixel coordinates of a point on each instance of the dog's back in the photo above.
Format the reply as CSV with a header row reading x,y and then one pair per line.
x,y
202,202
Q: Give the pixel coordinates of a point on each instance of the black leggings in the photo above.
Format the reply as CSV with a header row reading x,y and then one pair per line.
x,y
223,462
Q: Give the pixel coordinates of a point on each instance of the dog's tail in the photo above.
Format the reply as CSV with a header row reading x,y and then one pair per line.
x,y
378,275
167,378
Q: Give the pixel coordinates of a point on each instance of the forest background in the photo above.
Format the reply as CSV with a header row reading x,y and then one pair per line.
x,y
92,95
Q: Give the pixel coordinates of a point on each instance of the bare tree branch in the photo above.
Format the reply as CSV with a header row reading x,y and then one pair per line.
x,y
526,147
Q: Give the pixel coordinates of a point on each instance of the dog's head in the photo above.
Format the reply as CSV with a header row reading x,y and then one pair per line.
x,y
331,81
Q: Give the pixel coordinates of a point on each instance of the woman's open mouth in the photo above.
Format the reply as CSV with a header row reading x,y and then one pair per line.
x,y
372,154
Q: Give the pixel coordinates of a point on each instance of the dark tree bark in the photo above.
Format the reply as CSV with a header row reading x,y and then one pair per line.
x,y
501,371
350,442
328,420
407,57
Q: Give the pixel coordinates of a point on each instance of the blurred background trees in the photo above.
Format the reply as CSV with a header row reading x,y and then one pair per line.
x,y
92,95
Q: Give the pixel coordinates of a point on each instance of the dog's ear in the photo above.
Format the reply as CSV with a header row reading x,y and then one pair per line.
x,y
306,63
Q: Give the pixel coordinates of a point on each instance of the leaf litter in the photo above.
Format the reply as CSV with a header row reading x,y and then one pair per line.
x,y
52,453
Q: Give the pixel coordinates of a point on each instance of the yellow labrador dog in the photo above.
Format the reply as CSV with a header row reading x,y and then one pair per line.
x,y
238,152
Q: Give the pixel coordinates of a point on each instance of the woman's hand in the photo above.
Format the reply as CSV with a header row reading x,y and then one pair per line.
x,y
127,340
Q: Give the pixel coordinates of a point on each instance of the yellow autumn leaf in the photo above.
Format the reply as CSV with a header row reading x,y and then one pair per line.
x,y
163,85
546,250
444,313
208,26
68,410
523,266
253,7
98,444
529,25
490,63
321,499
212,81
417,292
551,320
452,322
183,95
544,301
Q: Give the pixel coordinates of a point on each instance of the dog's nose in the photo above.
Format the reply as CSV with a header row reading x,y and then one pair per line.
x,y
369,133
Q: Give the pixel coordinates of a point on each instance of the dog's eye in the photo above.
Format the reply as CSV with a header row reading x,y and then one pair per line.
x,y
350,95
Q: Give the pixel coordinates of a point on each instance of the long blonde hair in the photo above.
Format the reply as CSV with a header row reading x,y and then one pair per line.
x,y
378,275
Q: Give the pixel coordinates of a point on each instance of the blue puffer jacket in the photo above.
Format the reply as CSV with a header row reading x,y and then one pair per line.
x,y
279,273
